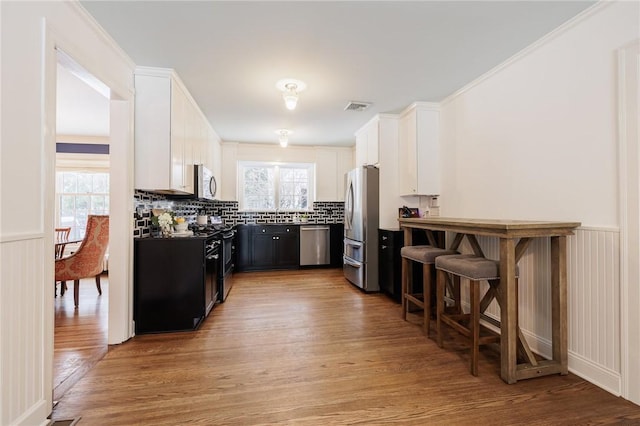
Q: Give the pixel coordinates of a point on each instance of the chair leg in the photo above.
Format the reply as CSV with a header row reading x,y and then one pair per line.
x,y
456,294
474,292
426,296
98,284
76,291
441,277
63,287
405,286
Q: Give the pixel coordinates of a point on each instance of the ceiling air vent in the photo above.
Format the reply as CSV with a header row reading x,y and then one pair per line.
x,y
357,106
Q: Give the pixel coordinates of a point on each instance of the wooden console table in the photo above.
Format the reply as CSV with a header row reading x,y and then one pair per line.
x,y
515,236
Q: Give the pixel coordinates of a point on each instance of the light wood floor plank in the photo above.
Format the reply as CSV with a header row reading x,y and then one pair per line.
x,y
80,335
306,347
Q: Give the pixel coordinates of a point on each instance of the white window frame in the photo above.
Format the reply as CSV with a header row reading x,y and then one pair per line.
x,y
311,170
79,163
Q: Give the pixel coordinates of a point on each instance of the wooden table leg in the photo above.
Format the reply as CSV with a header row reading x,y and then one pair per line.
x,y
508,311
559,302
408,236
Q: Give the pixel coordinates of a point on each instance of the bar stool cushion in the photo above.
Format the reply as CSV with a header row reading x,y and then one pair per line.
x,y
424,254
470,266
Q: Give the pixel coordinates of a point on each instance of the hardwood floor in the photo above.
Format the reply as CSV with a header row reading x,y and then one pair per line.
x,y
80,335
307,347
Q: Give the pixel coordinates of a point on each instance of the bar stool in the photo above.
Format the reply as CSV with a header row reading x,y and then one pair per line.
x,y
425,255
475,269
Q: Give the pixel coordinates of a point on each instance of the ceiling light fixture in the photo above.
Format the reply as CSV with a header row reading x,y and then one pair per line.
x,y
290,89
290,96
283,136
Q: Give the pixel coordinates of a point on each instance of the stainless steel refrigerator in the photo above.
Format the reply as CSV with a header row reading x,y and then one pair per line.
x,y
361,220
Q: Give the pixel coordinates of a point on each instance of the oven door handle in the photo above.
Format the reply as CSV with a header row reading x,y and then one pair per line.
x,y
352,243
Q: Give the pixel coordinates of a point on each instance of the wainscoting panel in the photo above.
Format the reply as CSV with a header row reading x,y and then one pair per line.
x,y
593,273
22,331
594,302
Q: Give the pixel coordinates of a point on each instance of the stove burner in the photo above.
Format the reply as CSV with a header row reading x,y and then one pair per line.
x,y
210,230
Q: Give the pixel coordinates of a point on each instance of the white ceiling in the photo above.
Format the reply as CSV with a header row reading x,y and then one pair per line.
x,y
231,54
80,109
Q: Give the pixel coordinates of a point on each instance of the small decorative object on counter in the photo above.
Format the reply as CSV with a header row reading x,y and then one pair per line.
x,y
164,221
202,218
407,212
181,224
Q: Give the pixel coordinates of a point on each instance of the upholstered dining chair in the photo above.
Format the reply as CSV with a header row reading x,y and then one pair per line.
x,y
88,260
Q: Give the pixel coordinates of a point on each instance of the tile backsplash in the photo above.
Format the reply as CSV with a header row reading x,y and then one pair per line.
x,y
323,211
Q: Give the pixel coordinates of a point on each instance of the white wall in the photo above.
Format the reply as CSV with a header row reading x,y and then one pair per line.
x,y
29,33
331,165
537,139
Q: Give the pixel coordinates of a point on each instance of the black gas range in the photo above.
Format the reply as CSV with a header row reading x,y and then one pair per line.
x,y
213,230
221,247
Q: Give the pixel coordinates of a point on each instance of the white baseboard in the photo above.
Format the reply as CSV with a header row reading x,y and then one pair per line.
x,y
36,415
609,380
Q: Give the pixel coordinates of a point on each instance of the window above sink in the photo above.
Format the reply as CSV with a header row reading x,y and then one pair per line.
x,y
270,186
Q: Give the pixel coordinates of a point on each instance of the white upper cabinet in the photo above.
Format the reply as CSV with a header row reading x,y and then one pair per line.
x,y
419,150
171,134
331,166
367,144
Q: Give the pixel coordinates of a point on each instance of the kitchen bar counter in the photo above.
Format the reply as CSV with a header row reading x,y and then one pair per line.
x,y
515,236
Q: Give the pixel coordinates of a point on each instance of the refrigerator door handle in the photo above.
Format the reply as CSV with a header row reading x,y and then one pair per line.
x,y
349,206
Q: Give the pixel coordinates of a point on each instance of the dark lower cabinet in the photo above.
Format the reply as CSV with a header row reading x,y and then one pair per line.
x,y
390,262
336,237
169,284
264,247
287,248
243,248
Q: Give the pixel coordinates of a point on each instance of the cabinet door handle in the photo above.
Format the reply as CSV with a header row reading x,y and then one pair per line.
x,y
384,237
383,247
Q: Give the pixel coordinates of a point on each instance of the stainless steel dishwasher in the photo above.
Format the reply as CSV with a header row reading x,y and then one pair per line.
x,y
314,245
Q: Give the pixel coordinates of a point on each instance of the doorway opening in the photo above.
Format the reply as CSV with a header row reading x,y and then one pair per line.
x,y
82,176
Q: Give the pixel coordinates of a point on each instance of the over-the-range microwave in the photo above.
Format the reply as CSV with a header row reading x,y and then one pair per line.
x,y
204,185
